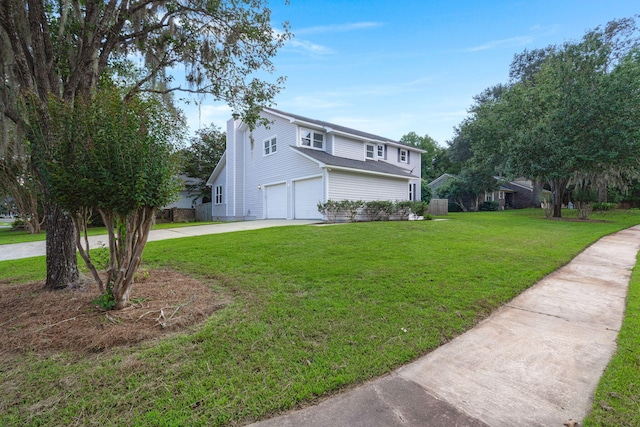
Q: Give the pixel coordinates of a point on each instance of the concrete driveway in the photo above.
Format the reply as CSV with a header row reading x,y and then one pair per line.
x,y
31,249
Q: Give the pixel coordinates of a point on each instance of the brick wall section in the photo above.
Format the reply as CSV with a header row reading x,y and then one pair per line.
x,y
177,215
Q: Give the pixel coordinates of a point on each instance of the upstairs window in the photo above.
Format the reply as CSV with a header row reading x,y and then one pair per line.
x,y
381,151
312,139
403,156
270,146
369,151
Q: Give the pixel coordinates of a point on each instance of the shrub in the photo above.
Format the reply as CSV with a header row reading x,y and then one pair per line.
x,y
107,300
403,209
420,208
604,206
584,199
378,210
490,206
329,210
547,204
19,224
352,208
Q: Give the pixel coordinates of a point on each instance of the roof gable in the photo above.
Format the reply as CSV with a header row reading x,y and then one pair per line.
x,y
218,169
440,180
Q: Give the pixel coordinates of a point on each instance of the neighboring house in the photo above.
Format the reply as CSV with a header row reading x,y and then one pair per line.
x,y
186,199
284,170
439,182
516,194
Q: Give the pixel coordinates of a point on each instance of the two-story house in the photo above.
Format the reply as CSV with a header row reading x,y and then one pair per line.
x,y
284,169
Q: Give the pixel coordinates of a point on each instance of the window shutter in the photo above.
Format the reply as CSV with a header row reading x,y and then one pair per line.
x,y
398,154
385,151
408,156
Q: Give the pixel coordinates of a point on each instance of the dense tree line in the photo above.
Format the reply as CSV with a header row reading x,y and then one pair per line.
x,y
568,117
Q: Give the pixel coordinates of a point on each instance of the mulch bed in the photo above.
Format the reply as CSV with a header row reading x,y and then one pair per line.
x,y
38,320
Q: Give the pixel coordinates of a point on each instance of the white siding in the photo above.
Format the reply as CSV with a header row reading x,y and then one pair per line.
x,y
330,144
218,211
282,166
185,201
414,159
356,186
349,148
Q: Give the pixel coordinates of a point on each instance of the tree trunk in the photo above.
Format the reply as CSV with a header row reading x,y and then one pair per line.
x,y
602,193
558,187
536,196
132,246
460,202
62,264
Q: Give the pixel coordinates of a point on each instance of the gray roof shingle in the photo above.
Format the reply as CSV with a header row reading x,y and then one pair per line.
x,y
339,128
368,165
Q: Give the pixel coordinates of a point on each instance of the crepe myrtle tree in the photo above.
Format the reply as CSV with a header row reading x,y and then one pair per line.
x,y
62,48
116,155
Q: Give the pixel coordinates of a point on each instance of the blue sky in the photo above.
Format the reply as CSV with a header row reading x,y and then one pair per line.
x,y
396,66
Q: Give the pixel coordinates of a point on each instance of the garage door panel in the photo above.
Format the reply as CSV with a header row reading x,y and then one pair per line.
x,y
276,201
307,193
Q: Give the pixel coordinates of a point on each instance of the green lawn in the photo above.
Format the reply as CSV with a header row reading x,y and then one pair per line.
x,y
8,236
315,310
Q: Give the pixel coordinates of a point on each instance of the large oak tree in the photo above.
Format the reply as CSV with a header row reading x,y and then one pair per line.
x,y
61,49
572,112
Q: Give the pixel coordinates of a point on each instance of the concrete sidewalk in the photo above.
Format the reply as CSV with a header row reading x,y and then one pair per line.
x,y
31,249
535,362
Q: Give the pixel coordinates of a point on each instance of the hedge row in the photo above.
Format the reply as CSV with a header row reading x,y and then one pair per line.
x,y
378,210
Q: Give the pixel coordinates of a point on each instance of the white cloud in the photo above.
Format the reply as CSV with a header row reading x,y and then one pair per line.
x,y
510,42
335,28
310,47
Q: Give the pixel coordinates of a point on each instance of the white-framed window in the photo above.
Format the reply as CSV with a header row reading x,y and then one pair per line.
x,y
218,198
270,145
488,196
404,156
312,139
501,195
380,150
369,152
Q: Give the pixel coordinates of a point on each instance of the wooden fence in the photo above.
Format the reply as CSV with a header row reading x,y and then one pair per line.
x,y
439,207
203,212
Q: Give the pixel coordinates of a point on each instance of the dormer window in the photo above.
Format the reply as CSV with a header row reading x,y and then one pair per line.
x,y
380,151
369,151
403,157
311,139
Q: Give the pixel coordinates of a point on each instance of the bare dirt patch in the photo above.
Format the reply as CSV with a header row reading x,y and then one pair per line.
x,y
163,302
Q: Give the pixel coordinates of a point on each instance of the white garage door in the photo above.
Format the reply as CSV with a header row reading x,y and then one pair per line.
x,y
306,195
276,201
